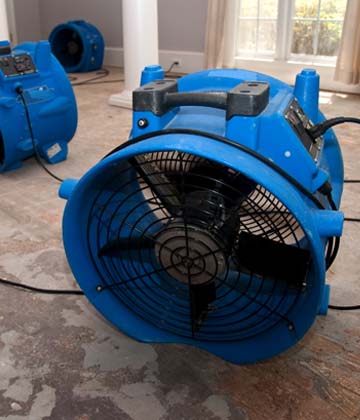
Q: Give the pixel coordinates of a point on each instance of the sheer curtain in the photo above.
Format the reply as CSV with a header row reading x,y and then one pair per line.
x,y
348,61
220,38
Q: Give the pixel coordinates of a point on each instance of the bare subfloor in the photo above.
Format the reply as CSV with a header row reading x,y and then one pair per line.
x,y
59,359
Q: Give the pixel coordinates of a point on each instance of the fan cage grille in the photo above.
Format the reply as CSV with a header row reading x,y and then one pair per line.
x,y
126,208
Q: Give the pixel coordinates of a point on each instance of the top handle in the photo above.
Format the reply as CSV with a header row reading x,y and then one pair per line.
x,y
246,99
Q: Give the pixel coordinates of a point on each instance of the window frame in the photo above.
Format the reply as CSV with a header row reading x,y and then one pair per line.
x,y
284,29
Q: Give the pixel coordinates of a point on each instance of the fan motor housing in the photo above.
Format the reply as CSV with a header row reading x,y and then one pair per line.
x,y
50,100
209,227
78,45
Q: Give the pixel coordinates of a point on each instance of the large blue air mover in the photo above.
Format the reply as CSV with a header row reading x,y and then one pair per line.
x,y
78,45
211,225
31,69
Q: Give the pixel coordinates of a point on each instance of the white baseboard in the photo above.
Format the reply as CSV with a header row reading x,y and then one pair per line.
x,y
189,61
122,99
114,56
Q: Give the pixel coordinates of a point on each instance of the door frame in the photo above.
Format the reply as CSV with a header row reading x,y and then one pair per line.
x,y
10,11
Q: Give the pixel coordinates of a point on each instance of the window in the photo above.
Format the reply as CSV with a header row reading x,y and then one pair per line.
x,y
297,30
257,28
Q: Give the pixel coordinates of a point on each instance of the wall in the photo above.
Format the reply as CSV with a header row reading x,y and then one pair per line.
x,y
105,14
27,20
181,23
181,26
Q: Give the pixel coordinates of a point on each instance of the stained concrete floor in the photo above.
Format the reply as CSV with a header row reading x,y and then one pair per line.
x,y
59,359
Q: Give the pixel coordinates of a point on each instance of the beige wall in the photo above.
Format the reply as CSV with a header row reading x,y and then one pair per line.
x,y
181,22
105,14
27,19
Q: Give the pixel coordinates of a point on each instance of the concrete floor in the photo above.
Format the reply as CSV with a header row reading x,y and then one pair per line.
x,y
59,359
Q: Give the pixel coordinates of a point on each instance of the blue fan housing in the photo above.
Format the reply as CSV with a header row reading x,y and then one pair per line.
x,y
50,100
78,45
124,240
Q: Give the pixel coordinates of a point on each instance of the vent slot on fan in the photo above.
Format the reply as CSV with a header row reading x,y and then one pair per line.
x,y
196,248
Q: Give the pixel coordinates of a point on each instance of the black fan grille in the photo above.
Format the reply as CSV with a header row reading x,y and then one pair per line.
x,y
238,303
67,47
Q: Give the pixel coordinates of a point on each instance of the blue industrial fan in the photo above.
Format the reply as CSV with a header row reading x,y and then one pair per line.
x,y
78,45
212,226
38,113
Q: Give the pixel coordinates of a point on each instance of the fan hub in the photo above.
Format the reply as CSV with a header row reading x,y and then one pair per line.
x,y
187,261
190,254
73,47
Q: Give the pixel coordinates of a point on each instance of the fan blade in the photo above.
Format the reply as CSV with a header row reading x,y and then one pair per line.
x,y
217,198
201,295
231,185
160,184
117,247
273,259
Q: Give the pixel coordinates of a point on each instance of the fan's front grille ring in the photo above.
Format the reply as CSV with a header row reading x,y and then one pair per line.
x,y
163,230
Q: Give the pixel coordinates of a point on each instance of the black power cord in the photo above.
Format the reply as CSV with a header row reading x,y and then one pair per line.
x,y
101,74
39,289
319,129
335,251
333,244
104,72
172,65
344,308
20,91
352,219
168,71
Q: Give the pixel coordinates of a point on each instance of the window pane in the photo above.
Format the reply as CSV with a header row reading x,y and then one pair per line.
x,y
267,35
248,8
268,8
303,37
306,8
247,35
332,9
329,38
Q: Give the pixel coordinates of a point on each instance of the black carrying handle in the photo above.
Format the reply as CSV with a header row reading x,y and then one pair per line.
x,y
160,96
213,99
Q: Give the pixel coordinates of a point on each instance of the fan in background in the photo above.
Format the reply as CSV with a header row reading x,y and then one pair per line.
x,y
212,225
78,45
38,112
